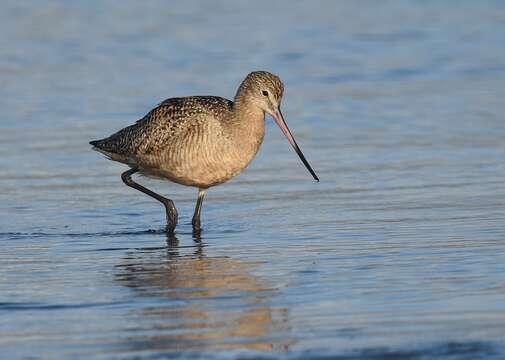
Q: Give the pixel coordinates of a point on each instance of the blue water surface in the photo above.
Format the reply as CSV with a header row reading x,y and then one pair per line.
x,y
399,251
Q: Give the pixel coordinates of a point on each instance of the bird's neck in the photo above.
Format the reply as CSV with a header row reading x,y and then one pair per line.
x,y
248,122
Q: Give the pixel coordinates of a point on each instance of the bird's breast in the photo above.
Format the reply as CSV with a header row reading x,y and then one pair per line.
x,y
204,161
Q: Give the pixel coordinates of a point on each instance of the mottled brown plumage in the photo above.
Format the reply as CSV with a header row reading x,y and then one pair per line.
x,y
175,139
199,141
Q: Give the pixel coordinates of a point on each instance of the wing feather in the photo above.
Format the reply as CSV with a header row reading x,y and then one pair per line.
x,y
171,120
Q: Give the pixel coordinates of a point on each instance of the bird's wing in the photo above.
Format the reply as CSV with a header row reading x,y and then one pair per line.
x,y
169,122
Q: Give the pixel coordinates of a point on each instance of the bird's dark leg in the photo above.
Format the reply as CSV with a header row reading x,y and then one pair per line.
x,y
198,209
169,204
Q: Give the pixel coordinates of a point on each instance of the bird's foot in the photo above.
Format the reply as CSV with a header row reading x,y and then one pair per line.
x,y
197,229
172,216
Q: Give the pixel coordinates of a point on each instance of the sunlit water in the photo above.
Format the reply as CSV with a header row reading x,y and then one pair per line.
x,y
398,251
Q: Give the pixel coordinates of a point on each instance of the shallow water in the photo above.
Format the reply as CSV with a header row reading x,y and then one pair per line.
x,y
398,251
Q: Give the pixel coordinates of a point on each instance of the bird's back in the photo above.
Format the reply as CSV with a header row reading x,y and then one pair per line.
x,y
171,121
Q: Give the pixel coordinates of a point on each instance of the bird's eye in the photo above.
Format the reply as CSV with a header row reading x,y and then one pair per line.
x,y
265,93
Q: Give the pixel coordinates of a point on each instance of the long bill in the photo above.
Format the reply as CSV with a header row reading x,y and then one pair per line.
x,y
279,119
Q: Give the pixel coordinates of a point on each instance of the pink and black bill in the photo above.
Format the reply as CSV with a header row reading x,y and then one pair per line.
x,y
279,119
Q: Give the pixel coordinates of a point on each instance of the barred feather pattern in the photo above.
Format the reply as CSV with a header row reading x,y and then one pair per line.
x,y
197,141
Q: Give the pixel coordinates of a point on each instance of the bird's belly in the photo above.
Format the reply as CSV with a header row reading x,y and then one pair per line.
x,y
201,169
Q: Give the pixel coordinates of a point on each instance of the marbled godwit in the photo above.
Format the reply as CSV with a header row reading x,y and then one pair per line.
x,y
199,141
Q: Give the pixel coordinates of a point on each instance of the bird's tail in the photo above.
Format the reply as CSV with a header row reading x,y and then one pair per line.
x,y
96,143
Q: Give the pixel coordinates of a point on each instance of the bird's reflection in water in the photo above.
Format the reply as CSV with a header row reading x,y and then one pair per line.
x,y
199,302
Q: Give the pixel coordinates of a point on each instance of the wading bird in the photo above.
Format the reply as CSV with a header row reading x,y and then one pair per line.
x,y
199,141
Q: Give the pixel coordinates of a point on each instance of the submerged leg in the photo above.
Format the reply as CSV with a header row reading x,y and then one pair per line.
x,y
170,209
198,209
